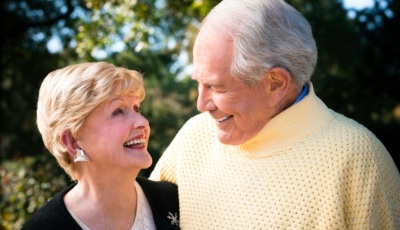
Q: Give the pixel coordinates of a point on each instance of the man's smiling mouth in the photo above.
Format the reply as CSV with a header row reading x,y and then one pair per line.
x,y
224,118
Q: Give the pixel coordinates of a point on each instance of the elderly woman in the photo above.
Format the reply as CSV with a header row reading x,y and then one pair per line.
x,y
90,121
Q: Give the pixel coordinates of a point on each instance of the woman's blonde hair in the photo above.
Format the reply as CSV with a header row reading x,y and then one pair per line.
x,y
68,95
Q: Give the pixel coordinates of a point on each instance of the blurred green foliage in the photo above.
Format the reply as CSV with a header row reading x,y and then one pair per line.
x,y
25,185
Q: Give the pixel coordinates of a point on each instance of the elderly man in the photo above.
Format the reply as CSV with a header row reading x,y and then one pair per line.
x,y
267,153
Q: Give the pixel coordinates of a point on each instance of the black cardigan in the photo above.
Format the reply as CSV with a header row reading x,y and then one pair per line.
x,y
162,197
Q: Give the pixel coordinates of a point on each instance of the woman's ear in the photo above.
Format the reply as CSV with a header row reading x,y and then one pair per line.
x,y
69,142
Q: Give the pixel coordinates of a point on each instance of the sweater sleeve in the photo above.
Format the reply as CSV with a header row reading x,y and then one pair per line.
x,y
371,186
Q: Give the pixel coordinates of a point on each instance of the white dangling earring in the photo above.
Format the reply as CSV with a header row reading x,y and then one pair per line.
x,y
80,156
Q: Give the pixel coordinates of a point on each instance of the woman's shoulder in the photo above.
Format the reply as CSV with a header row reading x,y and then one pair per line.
x,y
163,199
157,186
158,191
52,215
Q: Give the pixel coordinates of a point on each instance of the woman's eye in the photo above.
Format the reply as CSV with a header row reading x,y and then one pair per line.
x,y
137,109
117,112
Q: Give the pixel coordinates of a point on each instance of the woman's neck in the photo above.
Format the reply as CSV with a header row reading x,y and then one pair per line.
x,y
104,201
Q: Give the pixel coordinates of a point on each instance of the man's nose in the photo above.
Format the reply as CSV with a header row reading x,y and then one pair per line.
x,y
204,100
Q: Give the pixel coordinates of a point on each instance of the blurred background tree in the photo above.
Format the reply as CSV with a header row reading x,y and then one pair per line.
x,y
358,73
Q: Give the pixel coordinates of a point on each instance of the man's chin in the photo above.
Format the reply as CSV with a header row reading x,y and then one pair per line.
x,y
228,139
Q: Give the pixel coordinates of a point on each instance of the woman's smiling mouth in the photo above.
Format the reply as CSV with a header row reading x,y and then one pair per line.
x,y
135,143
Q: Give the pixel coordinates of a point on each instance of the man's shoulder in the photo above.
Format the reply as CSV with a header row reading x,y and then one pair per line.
x,y
200,118
199,121
354,135
351,126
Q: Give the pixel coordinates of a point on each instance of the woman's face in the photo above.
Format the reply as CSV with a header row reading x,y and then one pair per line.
x,y
115,135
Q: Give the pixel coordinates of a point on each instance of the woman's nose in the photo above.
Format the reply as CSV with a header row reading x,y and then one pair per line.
x,y
140,122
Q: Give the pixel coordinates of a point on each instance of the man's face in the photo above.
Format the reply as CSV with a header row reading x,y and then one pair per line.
x,y
239,110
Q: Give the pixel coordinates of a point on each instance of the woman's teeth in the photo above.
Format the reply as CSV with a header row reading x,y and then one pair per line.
x,y
135,142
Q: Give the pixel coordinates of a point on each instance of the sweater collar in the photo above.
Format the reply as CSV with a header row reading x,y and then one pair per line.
x,y
288,127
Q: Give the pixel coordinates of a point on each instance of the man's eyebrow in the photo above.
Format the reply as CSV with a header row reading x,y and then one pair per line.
x,y
211,83
215,83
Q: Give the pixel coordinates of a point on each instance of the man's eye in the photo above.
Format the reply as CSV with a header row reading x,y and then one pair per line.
x,y
137,109
117,112
205,86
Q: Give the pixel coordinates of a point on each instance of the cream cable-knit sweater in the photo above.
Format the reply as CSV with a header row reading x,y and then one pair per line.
x,y
308,168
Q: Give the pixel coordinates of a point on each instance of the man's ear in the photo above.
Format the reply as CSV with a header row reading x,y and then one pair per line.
x,y
279,79
69,142
277,83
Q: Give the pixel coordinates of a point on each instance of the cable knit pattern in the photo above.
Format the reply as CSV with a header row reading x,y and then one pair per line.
x,y
308,168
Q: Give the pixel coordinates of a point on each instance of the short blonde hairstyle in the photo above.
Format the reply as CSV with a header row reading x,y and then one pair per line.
x,y
68,95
